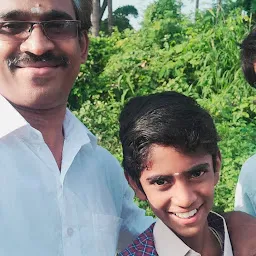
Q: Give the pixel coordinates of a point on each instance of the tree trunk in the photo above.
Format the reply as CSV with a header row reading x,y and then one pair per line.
x,y
219,4
197,5
110,16
96,18
103,8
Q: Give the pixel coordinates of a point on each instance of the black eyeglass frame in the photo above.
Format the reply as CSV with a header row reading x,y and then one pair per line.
x,y
42,24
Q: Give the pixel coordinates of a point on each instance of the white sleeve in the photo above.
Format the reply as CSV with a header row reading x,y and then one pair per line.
x,y
245,197
134,220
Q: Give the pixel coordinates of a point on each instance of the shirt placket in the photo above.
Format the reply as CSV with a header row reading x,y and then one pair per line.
x,y
68,205
71,244
70,228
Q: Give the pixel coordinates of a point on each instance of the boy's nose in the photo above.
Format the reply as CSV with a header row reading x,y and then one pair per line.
x,y
183,195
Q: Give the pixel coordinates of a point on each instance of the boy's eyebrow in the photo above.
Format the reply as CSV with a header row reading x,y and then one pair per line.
x,y
21,15
197,167
194,168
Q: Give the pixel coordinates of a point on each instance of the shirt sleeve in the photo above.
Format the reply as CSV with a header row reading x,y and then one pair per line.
x,y
245,199
134,220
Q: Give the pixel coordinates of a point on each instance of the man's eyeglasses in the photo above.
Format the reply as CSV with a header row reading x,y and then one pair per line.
x,y
52,29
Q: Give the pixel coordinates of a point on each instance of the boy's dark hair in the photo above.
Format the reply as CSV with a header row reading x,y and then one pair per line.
x,y
168,119
248,57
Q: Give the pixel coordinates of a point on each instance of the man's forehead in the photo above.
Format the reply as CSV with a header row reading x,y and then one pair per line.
x,y
37,7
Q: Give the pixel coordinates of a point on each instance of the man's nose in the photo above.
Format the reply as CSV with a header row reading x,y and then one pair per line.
x,y
37,43
183,194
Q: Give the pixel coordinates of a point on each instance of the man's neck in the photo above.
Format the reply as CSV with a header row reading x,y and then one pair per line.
x,y
50,123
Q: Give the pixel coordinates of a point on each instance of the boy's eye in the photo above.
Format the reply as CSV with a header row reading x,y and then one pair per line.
x,y
197,173
160,182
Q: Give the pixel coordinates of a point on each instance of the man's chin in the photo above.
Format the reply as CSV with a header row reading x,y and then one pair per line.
x,y
38,106
41,81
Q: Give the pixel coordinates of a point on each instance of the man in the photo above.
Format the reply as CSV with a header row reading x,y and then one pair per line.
x,y
245,198
61,193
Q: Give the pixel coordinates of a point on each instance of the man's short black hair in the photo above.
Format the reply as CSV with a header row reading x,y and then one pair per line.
x,y
248,57
168,119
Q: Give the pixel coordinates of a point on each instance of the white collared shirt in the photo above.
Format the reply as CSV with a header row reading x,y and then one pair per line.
x,y
167,243
86,209
245,197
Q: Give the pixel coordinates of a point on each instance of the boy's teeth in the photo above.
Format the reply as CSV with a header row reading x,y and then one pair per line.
x,y
186,215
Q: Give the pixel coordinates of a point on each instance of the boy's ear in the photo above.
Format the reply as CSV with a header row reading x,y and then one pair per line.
x,y
140,194
217,168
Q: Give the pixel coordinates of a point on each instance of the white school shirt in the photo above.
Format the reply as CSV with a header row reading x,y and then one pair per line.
x,y
86,209
245,197
167,243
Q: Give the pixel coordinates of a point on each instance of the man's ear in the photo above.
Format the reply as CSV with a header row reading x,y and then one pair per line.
x,y
217,168
84,46
254,66
140,194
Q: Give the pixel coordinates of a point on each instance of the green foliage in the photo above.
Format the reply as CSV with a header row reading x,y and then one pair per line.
x,y
247,5
102,117
89,81
160,9
162,23
126,11
120,18
170,52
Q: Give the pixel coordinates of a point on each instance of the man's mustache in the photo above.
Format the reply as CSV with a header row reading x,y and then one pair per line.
x,y
27,58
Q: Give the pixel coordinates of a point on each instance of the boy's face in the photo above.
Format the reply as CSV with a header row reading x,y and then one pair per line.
x,y
180,188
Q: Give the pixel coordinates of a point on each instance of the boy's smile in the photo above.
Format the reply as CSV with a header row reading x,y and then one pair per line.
x,y
180,188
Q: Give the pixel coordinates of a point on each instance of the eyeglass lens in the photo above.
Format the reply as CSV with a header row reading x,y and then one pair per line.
x,y
54,30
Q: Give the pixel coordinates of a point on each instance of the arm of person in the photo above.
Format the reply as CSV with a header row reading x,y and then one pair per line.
x,y
133,219
135,222
242,231
245,197
244,200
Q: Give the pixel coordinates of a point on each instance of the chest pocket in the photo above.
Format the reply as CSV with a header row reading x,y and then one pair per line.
x,y
106,232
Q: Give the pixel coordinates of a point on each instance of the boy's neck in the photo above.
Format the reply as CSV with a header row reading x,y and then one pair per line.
x,y
204,243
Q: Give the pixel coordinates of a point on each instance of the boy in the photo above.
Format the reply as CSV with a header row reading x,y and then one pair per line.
x,y
172,160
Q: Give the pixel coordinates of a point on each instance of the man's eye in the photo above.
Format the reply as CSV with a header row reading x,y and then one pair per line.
x,y
57,26
13,28
197,173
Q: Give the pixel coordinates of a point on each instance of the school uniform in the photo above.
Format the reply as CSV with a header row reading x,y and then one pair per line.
x,y
159,240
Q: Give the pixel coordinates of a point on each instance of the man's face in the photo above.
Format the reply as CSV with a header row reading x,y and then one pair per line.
x,y
38,73
179,188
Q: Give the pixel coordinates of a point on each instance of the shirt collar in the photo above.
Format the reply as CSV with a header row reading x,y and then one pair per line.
x,y
166,241
215,218
12,121
74,129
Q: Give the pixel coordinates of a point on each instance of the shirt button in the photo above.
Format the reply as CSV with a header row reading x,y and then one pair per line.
x,y
70,231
